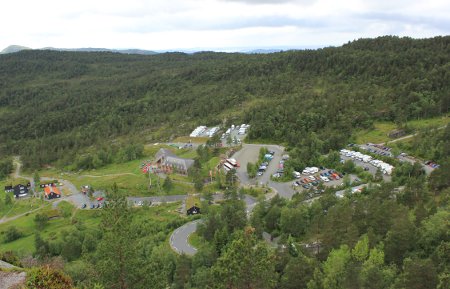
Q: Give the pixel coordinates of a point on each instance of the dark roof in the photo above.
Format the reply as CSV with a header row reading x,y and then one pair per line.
x,y
166,157
20,189
193,210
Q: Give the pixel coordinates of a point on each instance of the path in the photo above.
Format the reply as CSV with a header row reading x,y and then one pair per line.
x,y
5,220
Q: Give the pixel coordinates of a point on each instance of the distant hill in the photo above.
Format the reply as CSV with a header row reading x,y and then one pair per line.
x,y
13,48
90,49
17,48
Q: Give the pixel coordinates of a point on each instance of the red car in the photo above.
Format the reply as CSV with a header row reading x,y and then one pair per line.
x,y
100,199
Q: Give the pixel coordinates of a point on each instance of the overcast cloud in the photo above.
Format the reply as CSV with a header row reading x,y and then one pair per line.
x,y
215,24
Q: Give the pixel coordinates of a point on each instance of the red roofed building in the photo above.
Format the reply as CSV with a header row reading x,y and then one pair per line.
x,y
52,192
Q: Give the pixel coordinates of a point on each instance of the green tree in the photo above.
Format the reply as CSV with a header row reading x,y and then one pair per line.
x,y
40,220
297,273
168,184
36,178
117,260
8,199
418,274
246,263
182,272
251,170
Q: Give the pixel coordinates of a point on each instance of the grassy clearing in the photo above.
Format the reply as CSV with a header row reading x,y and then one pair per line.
x,y
196,241
430,122
377,135
380,133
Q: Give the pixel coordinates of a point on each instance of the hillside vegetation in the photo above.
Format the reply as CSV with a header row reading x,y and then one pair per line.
x,y
56,105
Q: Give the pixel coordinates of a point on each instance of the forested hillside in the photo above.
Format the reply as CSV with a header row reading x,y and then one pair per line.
x,y
55,105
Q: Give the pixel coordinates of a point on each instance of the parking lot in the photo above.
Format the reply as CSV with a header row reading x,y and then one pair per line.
x,y
367,166
235,136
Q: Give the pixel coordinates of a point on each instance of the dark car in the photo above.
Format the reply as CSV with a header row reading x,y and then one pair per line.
x,y
271,152
83,206
366,168
92,206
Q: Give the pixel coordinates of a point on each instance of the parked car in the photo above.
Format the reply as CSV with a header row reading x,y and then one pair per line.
x,y
83,206
100,199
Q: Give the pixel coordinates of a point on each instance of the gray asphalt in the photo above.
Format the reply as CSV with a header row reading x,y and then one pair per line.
x,y
179,238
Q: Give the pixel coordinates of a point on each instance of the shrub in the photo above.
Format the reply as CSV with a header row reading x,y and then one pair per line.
x,y
12,234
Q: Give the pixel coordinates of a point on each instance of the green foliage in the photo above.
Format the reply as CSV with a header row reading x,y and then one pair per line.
x,y
252,169
47,278
12,234
246,263
11,258
40,220
168,184
8,199
6,167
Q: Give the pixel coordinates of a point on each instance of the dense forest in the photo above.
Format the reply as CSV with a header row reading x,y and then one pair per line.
x,y
55,106
86,110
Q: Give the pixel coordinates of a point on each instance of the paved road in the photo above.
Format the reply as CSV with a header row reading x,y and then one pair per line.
x,y
179,238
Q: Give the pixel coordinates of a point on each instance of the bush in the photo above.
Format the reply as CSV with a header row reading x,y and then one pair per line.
x,y
10,258
12,234
47,278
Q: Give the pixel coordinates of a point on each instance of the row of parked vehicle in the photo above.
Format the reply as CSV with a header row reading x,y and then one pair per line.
x,y
312,181
379,150
384,167
263,167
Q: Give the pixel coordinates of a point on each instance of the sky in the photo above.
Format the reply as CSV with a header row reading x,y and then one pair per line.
x,y
221,25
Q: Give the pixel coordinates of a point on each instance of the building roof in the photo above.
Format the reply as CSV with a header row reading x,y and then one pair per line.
x,y
166,157
50,189
20,189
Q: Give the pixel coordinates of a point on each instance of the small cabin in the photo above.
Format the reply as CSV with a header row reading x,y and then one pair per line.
x,y
194,210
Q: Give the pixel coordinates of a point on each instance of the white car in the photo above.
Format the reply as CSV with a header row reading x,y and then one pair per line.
x,y
325,179
312,178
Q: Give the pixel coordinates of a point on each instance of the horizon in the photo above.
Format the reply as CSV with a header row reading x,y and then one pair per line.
x,y
224,25
249,49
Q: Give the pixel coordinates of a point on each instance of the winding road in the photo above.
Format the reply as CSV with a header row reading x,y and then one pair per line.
x,y
179,240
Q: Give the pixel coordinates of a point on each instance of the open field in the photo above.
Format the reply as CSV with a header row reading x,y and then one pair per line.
x,y
380,133
25,244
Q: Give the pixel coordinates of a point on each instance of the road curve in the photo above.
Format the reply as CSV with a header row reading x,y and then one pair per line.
x,y
179,238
